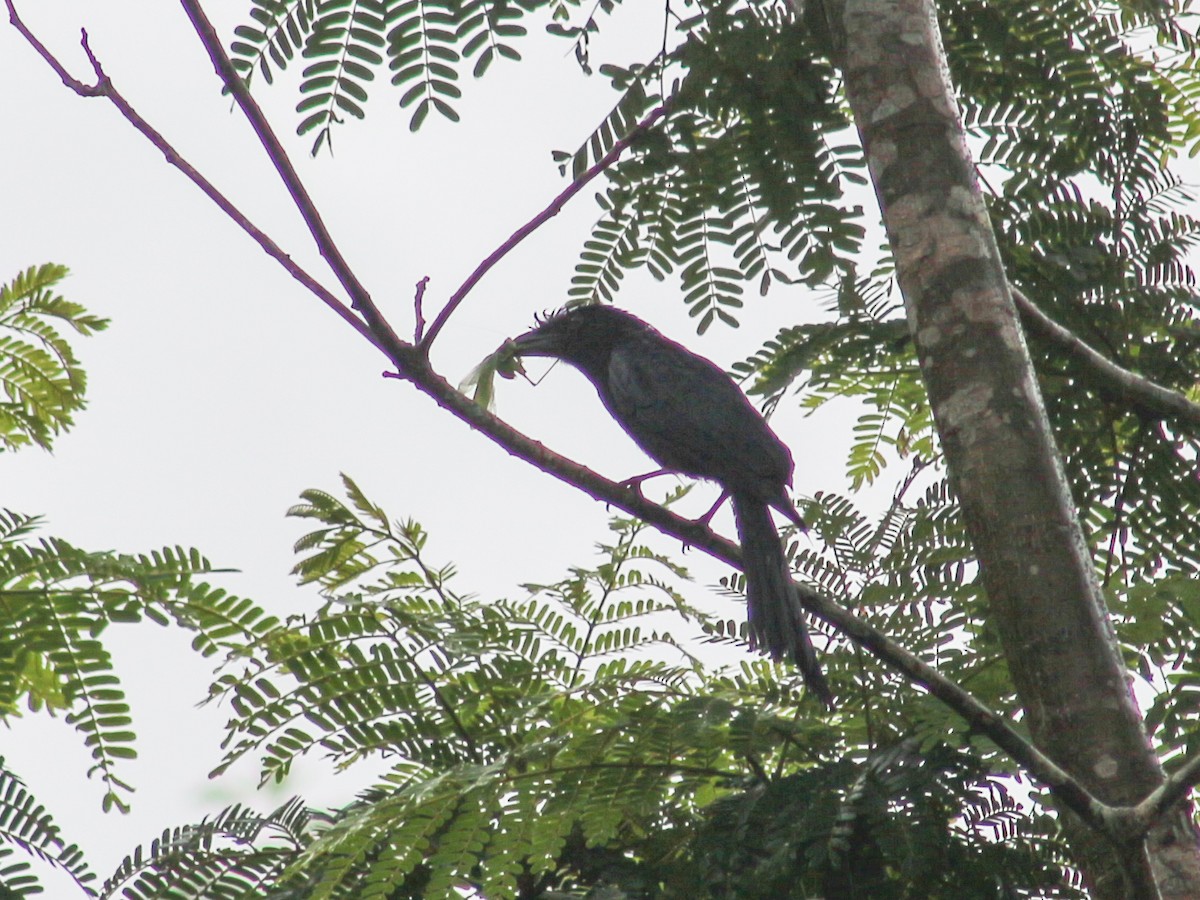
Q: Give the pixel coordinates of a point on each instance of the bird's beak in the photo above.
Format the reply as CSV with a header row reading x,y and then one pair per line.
x,y
535,343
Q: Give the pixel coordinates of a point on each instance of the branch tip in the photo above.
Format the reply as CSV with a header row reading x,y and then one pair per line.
x,y
549,212
419,315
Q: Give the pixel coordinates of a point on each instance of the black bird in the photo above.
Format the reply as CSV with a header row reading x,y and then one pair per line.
x,y
691,417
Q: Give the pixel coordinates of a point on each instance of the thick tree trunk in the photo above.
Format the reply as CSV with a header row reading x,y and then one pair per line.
x,y
1042,590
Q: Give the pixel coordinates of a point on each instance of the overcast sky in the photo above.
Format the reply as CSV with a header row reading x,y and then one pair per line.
x,y
222,389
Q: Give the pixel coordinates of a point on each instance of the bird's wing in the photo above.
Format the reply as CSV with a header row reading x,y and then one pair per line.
x,y
690,417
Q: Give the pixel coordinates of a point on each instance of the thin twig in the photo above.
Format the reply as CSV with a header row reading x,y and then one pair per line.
x,y
439,694
537,222
418,309
1153,400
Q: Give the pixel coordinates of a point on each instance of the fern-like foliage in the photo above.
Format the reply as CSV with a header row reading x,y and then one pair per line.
x,y
236,854
565,741
25,826
865,355
55,602
743,182
963,836
394,636
910,571
423,44
41,382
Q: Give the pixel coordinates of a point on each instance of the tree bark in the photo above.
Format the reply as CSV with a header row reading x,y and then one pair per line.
x,y
1043,594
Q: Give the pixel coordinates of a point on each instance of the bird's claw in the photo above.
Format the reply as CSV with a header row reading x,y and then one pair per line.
x,y
635,483
708,516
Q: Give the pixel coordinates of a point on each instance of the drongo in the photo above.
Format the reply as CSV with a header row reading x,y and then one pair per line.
x,y
691,417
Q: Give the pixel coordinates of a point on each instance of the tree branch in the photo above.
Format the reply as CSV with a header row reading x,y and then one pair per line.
x,y
1148,398
538,221
360,299
105,88
1166,795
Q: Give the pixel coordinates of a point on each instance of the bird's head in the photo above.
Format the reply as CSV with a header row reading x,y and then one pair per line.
x,y
583,335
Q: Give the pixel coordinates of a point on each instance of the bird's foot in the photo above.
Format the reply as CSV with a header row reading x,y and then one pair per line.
x,y
708,516
635,483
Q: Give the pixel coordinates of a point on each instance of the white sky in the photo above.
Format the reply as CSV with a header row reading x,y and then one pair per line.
x,y
222,389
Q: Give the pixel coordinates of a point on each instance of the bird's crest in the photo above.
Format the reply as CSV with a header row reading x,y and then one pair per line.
x,y
540,319
544,317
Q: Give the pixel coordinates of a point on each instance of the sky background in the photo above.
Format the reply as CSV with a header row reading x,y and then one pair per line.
x,y
222,389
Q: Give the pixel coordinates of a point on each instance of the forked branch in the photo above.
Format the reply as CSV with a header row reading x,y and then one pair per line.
x,y
104,87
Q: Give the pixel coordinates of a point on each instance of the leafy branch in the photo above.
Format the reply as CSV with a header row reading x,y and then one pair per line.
x,y
39,374
1142,394
25,824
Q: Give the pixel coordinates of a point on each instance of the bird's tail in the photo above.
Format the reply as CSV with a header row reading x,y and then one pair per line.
x,y
775,615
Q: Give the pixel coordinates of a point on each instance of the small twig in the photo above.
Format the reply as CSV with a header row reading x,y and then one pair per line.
x,y
1152,399
439,694
418,313
537,222
608,588
83,90
1119,508
918,466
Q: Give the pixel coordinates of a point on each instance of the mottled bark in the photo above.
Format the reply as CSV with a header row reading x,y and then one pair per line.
x,y
1043,595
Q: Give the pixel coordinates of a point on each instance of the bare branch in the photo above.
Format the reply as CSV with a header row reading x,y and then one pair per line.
x,y
83,90
384,336
104,87
538,221
1153,400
